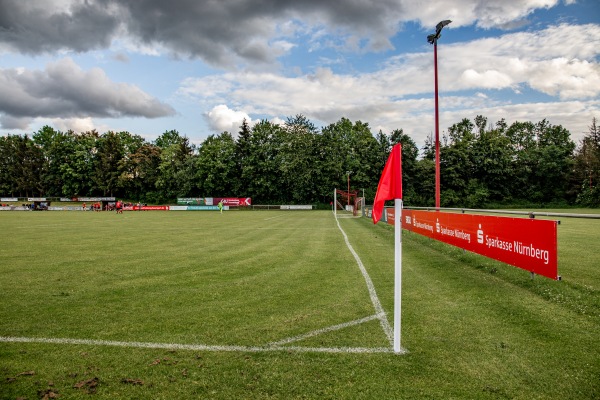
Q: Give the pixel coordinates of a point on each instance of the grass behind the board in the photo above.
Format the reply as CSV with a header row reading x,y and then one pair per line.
x,y
474,328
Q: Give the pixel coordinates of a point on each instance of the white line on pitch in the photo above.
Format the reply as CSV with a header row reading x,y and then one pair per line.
x,y
387,329
195,347
323,330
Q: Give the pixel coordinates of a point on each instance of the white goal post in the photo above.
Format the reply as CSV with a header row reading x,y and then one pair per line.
x,y
347,202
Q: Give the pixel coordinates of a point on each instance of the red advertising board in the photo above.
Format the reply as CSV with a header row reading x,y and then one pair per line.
x,y
233,201
147,208
526,243
155,208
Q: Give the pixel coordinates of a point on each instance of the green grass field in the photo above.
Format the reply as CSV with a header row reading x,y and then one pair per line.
x,y
272,305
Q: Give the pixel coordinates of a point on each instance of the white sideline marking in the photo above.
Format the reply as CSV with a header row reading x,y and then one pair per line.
x,y
374,299
323,330
195,347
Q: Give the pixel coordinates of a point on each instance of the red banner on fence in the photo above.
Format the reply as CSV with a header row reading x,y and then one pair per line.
x,y
147,208
526,243
232,201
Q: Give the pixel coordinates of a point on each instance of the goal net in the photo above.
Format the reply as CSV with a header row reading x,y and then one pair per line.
x,y
347,202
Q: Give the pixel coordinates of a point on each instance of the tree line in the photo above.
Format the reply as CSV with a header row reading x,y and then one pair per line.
x,y
482,164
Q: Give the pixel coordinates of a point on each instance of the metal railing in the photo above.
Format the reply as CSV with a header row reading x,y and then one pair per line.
x,y
531,214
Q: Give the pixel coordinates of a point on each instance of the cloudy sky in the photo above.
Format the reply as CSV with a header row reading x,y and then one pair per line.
x,y
201,66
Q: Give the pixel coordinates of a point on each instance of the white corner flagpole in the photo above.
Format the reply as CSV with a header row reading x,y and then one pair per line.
x,y
397,272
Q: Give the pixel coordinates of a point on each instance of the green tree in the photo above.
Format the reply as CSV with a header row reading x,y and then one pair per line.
x,y
492,161
176,171
555,161
330,159
523,146
216,166
78,173
28,168
107,163
261,168
56,147
242,154
139,173
128,181
297,159
429,148
67,161
351,147
424,183
168,138
457,163
9,163
586,170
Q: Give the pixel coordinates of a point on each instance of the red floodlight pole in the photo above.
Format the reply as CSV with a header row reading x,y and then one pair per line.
x,y
432,39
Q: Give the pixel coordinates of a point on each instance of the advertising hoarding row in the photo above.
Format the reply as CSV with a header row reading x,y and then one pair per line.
x,y
92,199
173,208
213,201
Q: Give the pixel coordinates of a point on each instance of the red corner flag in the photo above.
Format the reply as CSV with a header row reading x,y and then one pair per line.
x,y
390,183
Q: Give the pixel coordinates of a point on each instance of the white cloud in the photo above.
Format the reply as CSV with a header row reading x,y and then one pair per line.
x,y
484,13
77,125
221,118
569,79
277,121
558,61
488,79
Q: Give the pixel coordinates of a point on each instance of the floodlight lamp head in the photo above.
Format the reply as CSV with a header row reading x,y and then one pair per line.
x,y
442,24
